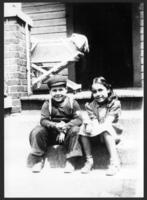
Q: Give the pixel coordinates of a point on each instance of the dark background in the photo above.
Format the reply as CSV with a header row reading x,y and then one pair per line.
x,y
109,31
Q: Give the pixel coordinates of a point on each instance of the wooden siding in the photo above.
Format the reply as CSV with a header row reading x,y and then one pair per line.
x,y
49,19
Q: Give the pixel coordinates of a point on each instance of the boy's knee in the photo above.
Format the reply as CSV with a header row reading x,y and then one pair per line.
x,y
74,130
38,130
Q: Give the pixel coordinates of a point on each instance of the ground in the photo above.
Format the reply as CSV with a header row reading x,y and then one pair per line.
x,y
19,181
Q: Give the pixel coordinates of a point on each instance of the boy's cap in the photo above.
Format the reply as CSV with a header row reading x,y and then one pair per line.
x,y
56,80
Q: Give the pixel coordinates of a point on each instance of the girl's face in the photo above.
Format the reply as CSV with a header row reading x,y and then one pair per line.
x,y
58,93
100,92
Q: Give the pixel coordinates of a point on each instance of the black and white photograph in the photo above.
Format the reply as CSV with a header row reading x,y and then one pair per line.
x,y
73,99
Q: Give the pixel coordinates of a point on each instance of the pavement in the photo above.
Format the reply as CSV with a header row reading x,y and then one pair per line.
x,y
20,182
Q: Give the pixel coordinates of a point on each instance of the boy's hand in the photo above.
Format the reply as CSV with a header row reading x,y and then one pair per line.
x,y
60,138
60,124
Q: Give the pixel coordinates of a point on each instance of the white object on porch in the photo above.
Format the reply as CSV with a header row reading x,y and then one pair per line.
x,y
51,56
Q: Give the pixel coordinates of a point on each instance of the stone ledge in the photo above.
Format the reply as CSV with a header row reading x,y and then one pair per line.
x,y
122,93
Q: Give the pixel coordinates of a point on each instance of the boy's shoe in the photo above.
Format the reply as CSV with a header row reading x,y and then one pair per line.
x,y
69,168
37,167
39,164
87,167
113,169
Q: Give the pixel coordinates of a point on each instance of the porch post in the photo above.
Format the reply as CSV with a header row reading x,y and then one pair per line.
x,y
28,59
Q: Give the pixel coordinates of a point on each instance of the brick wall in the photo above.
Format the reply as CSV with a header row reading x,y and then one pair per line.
x,y
15,73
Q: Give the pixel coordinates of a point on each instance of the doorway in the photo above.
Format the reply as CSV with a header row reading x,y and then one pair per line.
x,y
108,27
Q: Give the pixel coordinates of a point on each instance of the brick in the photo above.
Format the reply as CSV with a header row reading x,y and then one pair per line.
x,y
11,41
12,61
23,69
13,75
142,37
23,75
11,27
22,55
142,68
20,62
141,45
11,68
15,88
142,52
22,43
16,102
11,47
141,14
142,22
23,62
18,35
142,75
11,54
142,60
16,109
10,34
22,88
142,30
19,48
141,6
15,94
25,88
23,94
23,82
14,82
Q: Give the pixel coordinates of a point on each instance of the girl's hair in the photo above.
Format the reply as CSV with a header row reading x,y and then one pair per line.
x,y
104,82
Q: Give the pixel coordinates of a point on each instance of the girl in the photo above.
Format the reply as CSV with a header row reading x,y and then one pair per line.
x,y
102,119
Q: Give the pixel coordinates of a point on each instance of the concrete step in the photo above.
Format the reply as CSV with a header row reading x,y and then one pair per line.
x,y
131,99
52,182
133,103
129,149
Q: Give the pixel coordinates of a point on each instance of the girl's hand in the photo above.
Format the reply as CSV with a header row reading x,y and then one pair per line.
x,y
88,128
60,138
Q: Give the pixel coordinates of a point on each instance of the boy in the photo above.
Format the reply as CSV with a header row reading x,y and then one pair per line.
x,y
59,123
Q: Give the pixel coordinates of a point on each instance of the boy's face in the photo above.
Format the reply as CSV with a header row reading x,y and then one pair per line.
x,y
100,92
58,93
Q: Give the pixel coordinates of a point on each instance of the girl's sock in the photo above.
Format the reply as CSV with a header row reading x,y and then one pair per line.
x,y
89,159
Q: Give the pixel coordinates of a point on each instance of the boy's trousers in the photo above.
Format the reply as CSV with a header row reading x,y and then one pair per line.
x,y
41,138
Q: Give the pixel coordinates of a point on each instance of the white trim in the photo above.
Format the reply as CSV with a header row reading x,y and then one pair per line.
x,y
18,13
28,59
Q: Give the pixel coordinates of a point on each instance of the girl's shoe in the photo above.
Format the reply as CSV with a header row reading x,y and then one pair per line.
x,y
87,167
113,169
69,168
